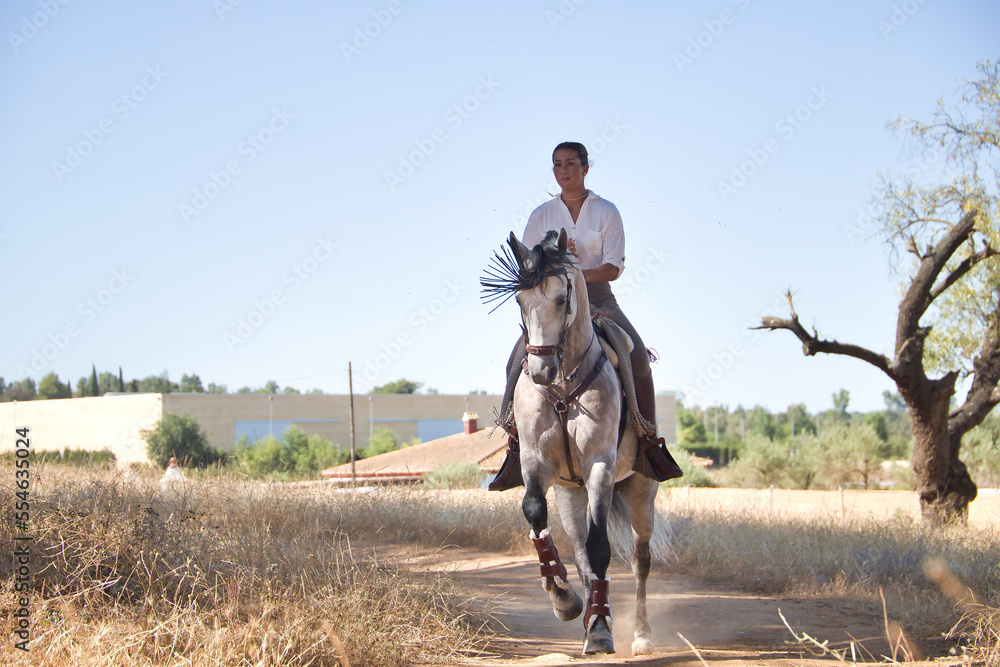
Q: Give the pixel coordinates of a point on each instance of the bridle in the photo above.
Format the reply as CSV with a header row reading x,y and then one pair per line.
x,y
561,405
557,349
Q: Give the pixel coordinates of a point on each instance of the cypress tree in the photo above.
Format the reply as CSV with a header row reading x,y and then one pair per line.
x,y
121,382
94,389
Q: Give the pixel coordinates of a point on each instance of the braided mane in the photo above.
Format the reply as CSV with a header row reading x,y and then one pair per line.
x,y
510,272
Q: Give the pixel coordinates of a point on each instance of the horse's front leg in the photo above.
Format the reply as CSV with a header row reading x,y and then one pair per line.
x,y
566,603
597,622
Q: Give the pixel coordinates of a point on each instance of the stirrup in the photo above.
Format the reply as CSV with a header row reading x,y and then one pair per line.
x,y
652,460
509,475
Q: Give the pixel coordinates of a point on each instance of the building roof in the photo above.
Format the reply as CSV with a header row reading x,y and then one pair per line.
x,y
411,463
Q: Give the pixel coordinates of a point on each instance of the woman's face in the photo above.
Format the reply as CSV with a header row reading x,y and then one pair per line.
x,y
568,169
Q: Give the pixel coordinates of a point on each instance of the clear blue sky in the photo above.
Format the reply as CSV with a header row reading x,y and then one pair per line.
x,y
263,191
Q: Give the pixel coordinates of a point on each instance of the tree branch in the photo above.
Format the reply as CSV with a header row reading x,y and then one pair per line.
x,y
812,345
918,297
961,270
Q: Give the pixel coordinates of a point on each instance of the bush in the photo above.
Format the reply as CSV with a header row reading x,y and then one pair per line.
x,y
296,454
694,474
180,435
455,475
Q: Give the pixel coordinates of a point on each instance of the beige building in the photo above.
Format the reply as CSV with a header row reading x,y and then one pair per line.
x,y
115,422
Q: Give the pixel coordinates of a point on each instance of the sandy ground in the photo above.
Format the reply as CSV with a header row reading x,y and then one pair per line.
x,y
720,626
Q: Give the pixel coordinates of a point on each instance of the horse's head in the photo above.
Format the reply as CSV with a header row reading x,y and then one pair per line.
x,y
548,302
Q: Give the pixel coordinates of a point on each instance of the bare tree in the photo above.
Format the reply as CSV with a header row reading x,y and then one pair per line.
x,y
948,324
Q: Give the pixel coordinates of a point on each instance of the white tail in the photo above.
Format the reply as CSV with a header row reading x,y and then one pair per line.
x,y
661,547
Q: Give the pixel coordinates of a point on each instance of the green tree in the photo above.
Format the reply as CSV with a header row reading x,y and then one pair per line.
x,y
179,434
290,391
94,389
22,390
948,320
270,388
401,386
840,402
157,384
217,388
51,387
295,454
382,441
121,380
191,384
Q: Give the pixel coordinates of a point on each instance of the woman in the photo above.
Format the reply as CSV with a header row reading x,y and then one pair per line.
x,y
597,237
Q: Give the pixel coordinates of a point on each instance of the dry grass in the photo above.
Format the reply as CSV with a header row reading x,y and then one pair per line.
x,y
867,560
224,573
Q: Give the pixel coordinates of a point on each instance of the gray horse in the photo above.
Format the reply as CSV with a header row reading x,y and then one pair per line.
x,y
567,406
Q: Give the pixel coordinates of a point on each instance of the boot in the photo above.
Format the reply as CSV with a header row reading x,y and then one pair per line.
x,y
652,458
509,475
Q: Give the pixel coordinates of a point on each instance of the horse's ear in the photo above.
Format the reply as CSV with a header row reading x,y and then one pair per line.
x,y
521,251
563,241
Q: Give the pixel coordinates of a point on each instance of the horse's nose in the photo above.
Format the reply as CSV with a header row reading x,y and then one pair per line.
x,y
545,375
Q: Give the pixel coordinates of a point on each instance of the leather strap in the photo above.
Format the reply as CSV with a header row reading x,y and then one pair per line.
x,y
599,602
551,566
561,406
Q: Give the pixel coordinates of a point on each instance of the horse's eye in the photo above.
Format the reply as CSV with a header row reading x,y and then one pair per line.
x,y
561,301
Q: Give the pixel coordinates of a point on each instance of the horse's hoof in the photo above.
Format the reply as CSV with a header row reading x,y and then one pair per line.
x,y
566,604
598,643
642,646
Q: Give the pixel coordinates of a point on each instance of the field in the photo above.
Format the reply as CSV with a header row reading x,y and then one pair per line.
x,y
231,572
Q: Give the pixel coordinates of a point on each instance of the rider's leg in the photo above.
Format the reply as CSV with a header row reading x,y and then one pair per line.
x,y
652,460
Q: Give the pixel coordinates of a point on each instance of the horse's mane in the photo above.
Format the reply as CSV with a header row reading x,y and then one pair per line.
x,y
510,272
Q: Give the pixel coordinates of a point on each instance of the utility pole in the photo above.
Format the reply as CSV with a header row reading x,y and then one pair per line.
x,y
350,385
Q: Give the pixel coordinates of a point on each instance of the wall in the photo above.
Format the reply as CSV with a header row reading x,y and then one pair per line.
x,y
111,422
114,421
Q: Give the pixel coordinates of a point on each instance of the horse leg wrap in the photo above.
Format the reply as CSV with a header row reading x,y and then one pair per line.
x,y
598,602
551,566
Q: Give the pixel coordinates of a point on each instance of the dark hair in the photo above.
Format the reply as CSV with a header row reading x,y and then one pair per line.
x,y
581,150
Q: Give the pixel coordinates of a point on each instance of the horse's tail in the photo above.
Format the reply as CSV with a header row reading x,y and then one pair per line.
x,y
661,546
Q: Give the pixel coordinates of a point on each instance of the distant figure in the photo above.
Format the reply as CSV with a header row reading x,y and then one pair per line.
x,y
173,472
129,474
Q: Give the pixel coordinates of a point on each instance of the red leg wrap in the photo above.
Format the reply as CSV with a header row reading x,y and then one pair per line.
x,y
599,602
551,566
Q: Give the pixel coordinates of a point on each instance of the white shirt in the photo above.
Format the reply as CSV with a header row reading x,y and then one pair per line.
x,y
598,230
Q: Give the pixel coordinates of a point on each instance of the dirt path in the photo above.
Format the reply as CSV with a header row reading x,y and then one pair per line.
x,y
722,625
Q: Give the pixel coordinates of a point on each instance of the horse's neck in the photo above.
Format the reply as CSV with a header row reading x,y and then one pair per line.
x,y
580,334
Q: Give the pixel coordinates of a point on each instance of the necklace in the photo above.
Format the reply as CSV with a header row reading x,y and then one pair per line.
x,y
575,198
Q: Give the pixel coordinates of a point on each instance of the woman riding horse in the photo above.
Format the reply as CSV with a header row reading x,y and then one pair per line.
x,y
597,237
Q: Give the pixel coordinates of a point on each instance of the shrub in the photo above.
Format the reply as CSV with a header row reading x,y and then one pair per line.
x,y
180,435
694,474
455,475
296,454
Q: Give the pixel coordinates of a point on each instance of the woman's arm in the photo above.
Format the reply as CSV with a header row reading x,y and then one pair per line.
x,y
605,273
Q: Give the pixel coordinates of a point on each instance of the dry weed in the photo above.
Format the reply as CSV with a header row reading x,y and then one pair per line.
x,y
222,573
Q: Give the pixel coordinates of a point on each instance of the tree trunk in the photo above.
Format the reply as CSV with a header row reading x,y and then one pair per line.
x,y
944,486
